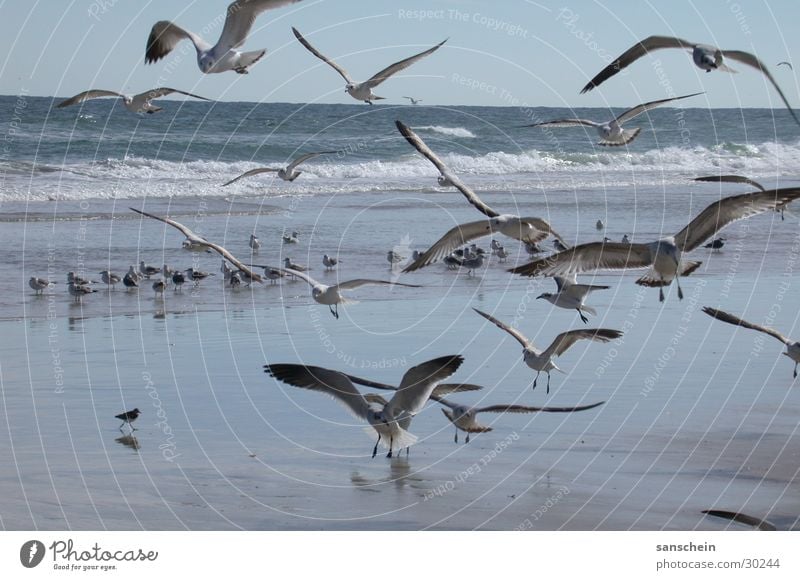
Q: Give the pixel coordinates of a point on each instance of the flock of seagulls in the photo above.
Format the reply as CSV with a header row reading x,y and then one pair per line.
x,y
390,420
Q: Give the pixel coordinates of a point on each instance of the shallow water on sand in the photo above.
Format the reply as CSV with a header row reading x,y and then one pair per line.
x,y
697,414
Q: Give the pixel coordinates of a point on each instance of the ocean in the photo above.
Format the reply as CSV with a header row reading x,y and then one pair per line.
x,y
697,414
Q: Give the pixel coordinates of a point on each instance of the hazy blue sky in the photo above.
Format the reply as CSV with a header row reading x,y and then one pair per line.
x,y
503,52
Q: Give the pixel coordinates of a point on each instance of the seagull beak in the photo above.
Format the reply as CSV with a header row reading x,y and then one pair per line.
x,y
540,296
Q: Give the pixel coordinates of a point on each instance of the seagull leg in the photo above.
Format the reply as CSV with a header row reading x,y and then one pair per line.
x,y
661,294
467,441
391,444
548,382
795,370
583,318
455,439
375,450
120,427
536,379
680,292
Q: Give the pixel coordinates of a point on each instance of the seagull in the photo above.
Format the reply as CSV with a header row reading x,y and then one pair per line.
x,y
128,417
178,279
331,295
716,244
273,274
787,63
444,181
559,245
254,243
197,275
293,239
328,262
159,286
611,132
363,91
39,284
288,173
759,524
662,256
240,16
464,417
226,271
705,57
417,101
134,103
502,254
394,258
72,278
413,392
235,280
195,246
792,348
166,272
133,273
196,240
79,290
110,279
599,225
532,248
148,270
741,179
572,295
542,361
471,261
130,280
289,265
527,229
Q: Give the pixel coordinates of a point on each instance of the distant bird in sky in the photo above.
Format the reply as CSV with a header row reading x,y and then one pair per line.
x,y
413,100
786,63
240,17
288,173
363,91
705,57
140,103
611,132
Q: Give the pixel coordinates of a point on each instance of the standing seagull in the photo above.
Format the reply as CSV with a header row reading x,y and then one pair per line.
x,y
331,295
792,348
159,286
328,262
706,57
611,132
39,284
663,256
255,244
363,91
572,295
525,229
165,36
136,103
195,240
288,173
464,417
542,361
415,388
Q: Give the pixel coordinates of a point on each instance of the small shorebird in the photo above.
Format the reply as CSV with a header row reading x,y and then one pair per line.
x,y
705,57
128,417
39,284
792,347
572,295
716,244
140,103
415,388
525,229
288,173
110,279
542,360
328,262
663,257
222,57
611,132
331,296
363,91
599,225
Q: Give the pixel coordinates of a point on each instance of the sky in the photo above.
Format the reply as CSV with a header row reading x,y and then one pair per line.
x,y
498,53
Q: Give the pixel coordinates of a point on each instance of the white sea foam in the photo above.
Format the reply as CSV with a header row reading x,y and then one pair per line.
x,y
451,131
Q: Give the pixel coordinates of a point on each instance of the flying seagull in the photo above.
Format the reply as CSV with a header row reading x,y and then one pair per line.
x,y
415,388
787,63
415,101
740,179
663,256
706,57
792,347
363,91
197,241
611,132
288,173
240,16
572,295
542,360
140,103
331,295
757,523
525,229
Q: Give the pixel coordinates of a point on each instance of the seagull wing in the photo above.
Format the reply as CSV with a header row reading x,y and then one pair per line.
x,y
566,123
751,60
566,339
521,338
580,290
457,236
240,18
736,321
635,52
420,146
591,256
419,382
87,95
165,36
302,275
526,409
322,57
163,92
306,157
730,209
543,229
351,284
250,173
638,110
786,63
758,523
378,78
331,383
731,179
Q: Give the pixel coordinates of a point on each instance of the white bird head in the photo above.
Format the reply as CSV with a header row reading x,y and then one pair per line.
x,y
205,62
